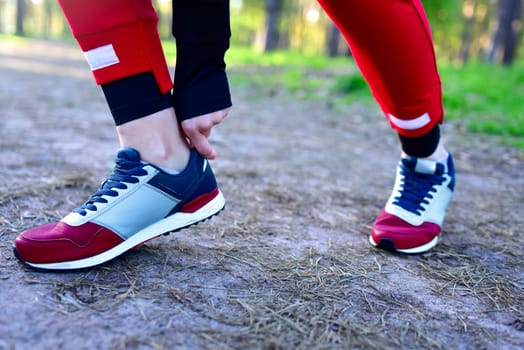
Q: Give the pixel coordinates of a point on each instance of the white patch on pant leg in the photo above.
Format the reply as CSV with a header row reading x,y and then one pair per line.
x,y
410,124
101,57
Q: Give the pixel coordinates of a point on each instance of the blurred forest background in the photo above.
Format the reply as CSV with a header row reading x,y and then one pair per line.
x,y
478,44
464,30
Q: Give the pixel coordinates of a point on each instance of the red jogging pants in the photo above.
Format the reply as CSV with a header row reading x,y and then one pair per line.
x,y
389,39
119,38
392,45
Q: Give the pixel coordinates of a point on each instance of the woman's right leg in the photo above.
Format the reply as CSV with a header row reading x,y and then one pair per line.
x,y
120,41
158,185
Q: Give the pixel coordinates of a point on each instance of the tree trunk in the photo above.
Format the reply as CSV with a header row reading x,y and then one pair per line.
x,y
272,35
512,34
48,19
333,41
336,45
468,11
505,38
20,17
2,9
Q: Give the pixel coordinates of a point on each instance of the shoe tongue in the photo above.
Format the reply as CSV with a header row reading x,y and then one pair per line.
x,y
423,166
129,154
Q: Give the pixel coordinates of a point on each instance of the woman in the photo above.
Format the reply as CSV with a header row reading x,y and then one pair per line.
x,y
162,181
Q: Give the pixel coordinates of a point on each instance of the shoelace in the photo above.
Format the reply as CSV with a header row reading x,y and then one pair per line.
x,y
417,189
124,172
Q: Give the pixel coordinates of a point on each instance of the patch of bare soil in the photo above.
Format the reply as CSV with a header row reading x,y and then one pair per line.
x,y
287,264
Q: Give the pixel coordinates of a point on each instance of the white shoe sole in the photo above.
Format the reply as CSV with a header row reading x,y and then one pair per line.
x,y
174,222
417,250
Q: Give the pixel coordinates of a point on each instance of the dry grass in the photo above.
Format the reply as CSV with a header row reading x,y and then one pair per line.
x,y
463,275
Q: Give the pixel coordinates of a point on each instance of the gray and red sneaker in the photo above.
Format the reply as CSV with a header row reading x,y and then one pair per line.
x,y
138,202
412,218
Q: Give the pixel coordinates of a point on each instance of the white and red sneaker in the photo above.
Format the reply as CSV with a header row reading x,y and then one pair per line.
x,y
412,218
138,202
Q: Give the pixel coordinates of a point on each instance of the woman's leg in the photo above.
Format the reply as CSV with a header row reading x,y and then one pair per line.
x,y
121,44
158,185
392,45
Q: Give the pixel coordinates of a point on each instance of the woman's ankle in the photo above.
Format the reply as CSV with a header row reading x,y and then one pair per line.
x,y
157,138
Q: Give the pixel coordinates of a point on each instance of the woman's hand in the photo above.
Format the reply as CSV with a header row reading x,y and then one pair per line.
x,y
198,129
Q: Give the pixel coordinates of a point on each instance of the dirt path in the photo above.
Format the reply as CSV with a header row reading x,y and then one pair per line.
x,y
287,264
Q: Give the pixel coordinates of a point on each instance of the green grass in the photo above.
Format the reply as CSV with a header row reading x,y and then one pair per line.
x,y
486,98
12,38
